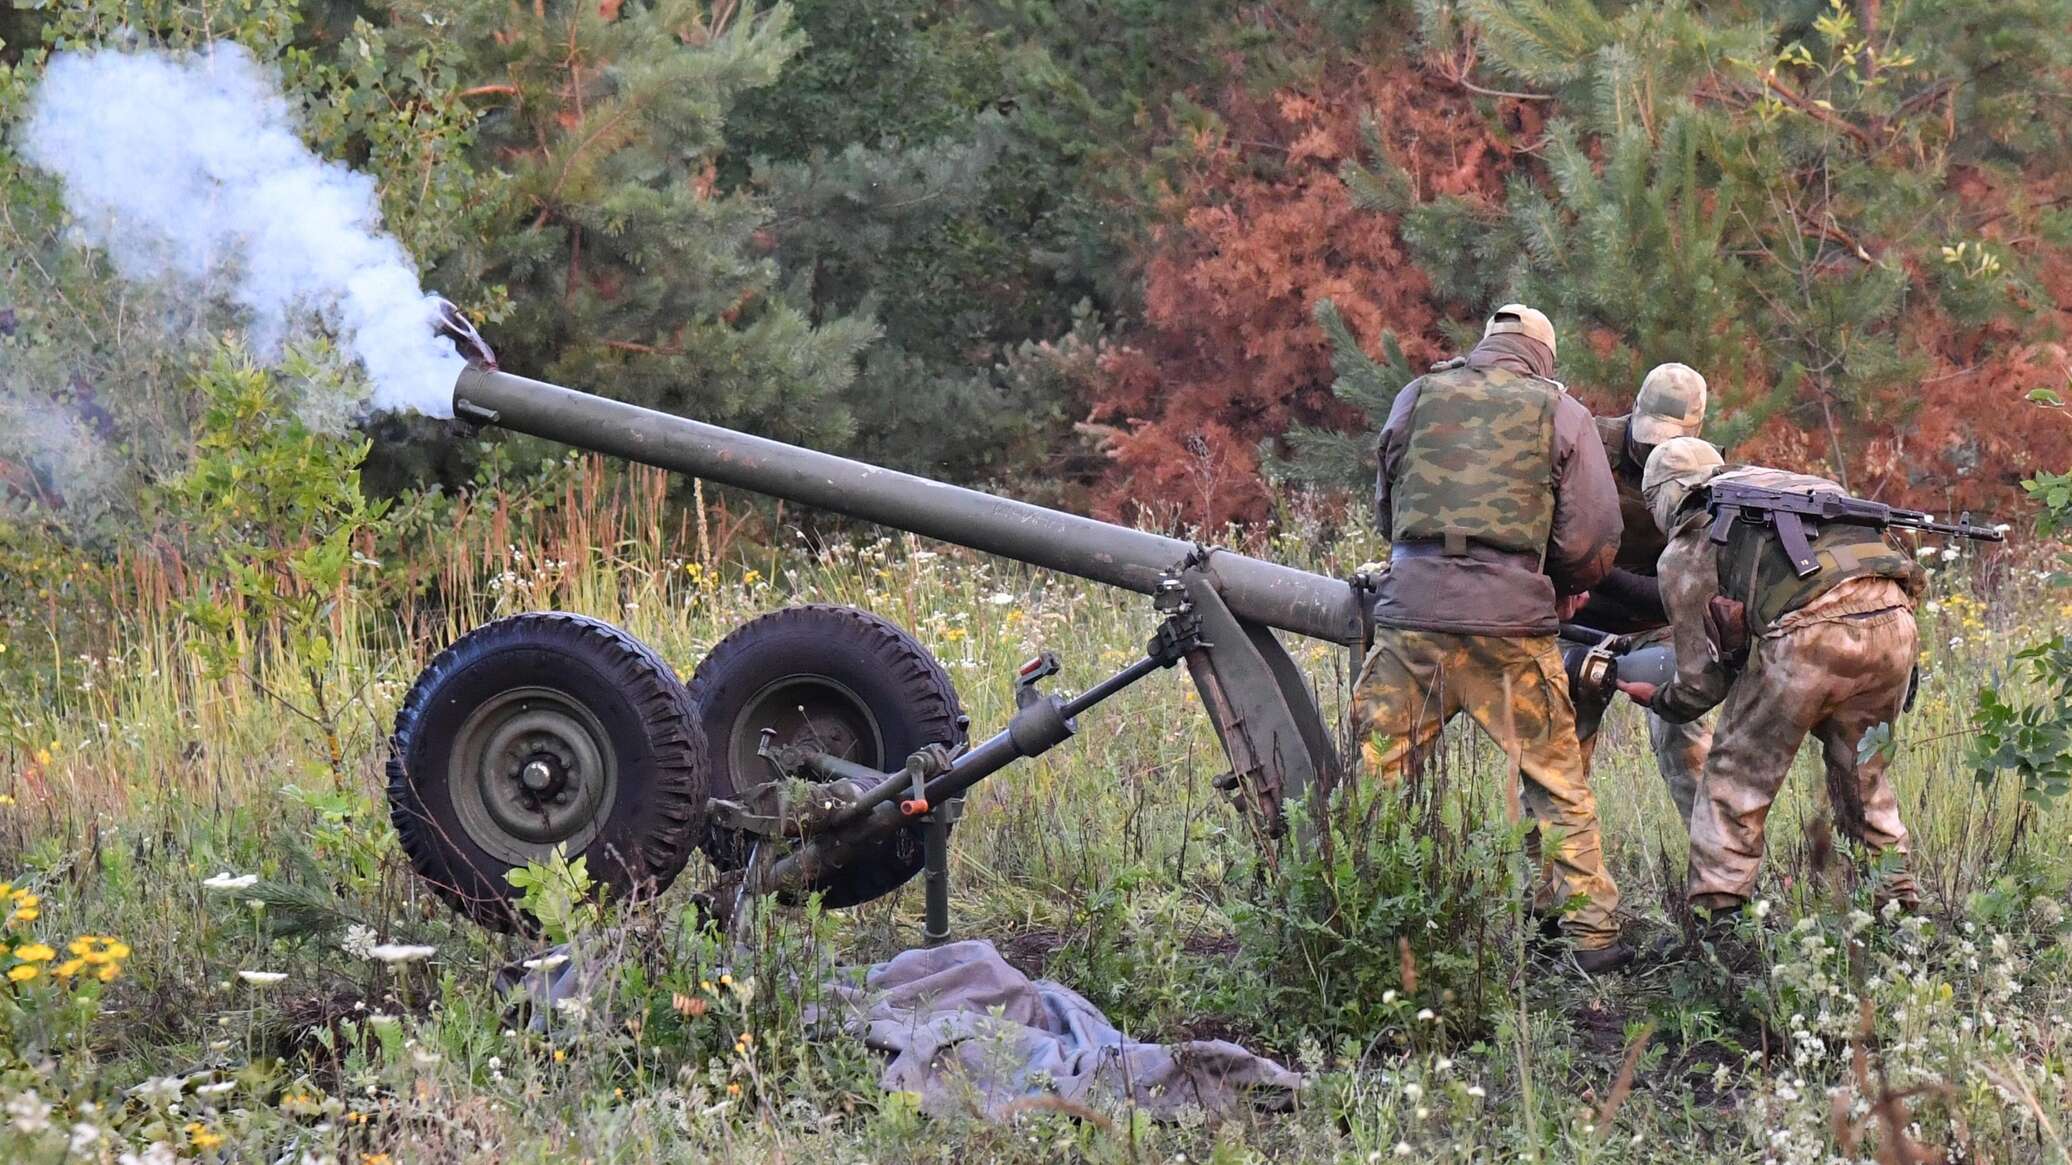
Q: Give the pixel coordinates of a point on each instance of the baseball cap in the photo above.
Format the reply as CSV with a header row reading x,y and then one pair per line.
x,y
1676,467
1518,319
1671,404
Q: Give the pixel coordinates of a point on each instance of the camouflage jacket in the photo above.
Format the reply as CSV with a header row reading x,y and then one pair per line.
x,y
1488,592
1690,579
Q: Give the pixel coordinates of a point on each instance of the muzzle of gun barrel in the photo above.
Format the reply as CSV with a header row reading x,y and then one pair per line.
x,y
448,321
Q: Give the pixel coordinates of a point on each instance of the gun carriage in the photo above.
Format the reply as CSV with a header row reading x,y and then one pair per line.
x,y
817,748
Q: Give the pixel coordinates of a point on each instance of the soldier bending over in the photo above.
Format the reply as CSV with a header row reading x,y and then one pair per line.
x,y
1829,653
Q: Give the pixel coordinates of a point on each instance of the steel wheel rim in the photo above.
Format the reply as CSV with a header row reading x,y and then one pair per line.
x,y
805,709
535,770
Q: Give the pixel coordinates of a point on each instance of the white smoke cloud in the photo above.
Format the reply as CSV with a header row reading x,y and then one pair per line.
x,y
188,168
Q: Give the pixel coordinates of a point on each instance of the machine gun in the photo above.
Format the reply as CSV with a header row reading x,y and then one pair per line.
x,y
1789,510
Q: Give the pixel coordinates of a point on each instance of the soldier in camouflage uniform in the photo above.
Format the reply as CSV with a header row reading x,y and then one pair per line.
x,y
1831,654
1671,404
1501,513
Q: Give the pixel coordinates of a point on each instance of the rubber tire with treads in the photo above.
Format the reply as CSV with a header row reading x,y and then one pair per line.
x,y
649,725
908,695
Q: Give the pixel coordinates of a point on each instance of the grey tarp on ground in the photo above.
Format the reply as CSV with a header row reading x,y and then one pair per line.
x,y
964,1028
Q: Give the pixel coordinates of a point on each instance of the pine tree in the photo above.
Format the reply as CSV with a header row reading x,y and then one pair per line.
x,y
1332,458
629,271
911,180
1834,218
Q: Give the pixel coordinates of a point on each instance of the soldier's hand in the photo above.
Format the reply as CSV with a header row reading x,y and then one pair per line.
x,y
1640,693
1566,606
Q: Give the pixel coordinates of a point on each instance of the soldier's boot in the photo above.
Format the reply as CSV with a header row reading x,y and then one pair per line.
x,y
1721,919
1606,960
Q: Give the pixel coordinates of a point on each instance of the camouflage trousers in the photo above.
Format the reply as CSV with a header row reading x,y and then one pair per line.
x,y
1415,682
1680,749
1834,680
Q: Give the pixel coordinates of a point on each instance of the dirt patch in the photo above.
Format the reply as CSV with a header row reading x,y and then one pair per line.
x,y
1030,951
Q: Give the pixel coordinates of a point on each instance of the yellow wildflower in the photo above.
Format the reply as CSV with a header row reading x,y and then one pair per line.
x,y
35,953
96,949
68,968
201,1137
733,1088
108,972
23,973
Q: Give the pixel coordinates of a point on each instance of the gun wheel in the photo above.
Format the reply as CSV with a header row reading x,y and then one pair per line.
x,y
841,680
540,731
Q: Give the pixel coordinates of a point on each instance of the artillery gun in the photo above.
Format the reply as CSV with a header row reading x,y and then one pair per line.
x,y
817,748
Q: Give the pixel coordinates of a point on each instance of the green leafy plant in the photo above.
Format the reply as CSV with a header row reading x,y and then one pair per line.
x,y
270,512
1396,916
560,895
2031,740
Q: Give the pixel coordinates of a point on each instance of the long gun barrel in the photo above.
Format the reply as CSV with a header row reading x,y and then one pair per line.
x,y
1256,590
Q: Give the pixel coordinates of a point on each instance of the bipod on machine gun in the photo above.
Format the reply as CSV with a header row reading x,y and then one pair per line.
x,y
818,748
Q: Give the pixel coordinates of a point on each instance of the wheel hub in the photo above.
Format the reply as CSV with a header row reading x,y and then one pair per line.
x,y
533,771
807,713
544,777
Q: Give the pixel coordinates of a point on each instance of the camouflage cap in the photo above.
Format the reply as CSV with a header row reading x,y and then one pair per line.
x,y
1518,319
1676,467
1671,404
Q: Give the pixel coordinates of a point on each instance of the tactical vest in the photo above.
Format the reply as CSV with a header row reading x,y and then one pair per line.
x,y
1478,462
1754,569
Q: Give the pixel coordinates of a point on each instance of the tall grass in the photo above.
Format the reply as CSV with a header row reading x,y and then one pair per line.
x,y
134,772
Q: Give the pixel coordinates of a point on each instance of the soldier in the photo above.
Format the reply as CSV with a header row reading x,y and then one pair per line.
x,y
1501,513
1831,653
1671,404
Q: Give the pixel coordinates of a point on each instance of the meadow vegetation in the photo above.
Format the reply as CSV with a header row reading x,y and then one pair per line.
x,y
216,948
1117,254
